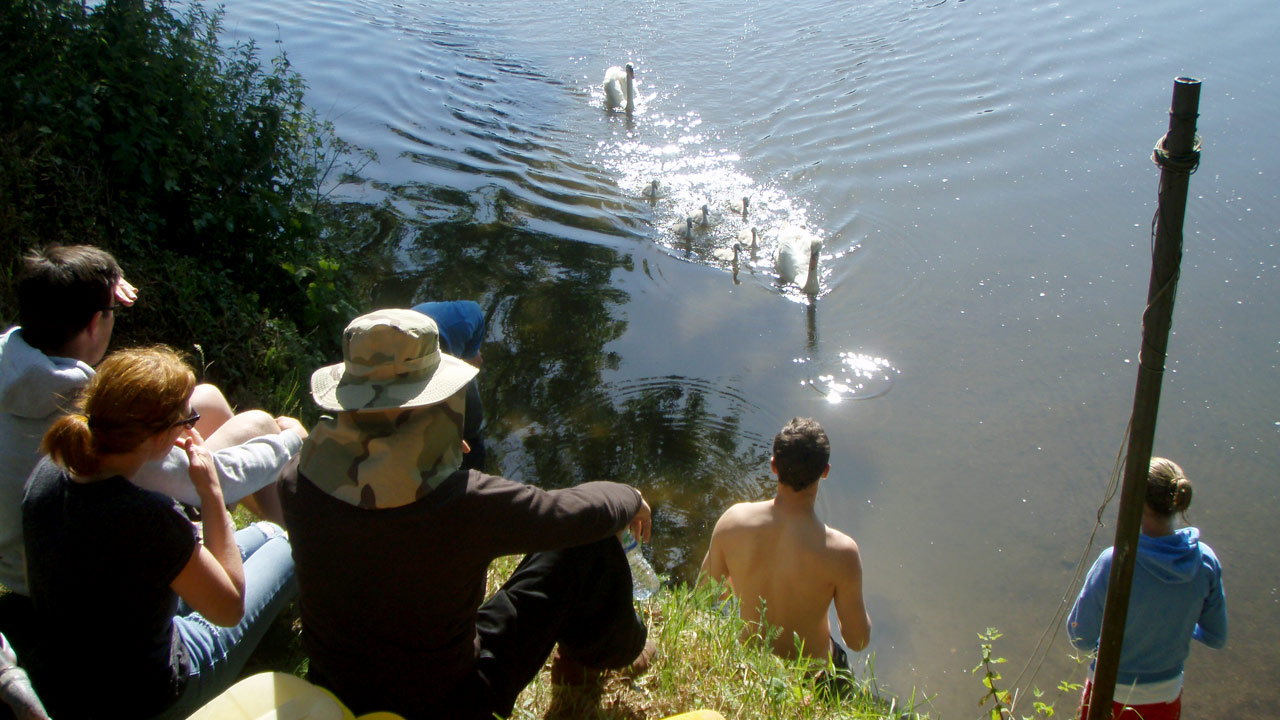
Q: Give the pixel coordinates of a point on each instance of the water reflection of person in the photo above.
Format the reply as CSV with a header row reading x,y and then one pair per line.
x,y
107,560
461,326
393,542
778,554
1176,597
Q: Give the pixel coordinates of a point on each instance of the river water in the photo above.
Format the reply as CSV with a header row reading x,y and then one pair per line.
x,y
979,173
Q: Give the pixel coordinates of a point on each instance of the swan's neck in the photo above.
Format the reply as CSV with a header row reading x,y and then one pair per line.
x,y
630,90
811,285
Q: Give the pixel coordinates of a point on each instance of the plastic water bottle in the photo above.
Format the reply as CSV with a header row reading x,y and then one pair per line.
x,y
644,581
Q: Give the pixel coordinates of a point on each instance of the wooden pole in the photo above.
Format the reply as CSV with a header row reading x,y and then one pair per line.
x,y
1177,162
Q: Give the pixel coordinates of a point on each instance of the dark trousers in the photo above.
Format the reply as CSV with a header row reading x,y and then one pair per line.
x,y
579,597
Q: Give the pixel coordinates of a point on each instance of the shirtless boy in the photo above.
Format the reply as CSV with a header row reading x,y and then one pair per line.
x,y
777,555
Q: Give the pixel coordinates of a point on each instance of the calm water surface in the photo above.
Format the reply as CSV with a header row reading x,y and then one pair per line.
x,y
979,174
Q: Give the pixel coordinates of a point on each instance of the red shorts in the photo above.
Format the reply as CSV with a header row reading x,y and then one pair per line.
x,y
1152,711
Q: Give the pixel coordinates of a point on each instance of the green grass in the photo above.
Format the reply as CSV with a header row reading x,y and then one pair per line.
x,y
701,664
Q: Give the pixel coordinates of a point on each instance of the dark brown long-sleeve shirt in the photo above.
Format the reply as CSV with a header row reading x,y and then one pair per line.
x,y
389,596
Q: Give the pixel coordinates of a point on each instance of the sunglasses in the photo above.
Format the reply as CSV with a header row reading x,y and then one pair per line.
x,y
188,423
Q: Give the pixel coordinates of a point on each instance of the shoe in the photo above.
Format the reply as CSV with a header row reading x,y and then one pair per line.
x,y
571,673
641,664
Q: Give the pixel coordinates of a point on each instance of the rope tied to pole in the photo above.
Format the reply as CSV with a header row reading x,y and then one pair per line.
x,y
1183,163
1150,358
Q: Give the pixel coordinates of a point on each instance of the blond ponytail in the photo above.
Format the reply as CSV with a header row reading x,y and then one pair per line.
x,y
1168,489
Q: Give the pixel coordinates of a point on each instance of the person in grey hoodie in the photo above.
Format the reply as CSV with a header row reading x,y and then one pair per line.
x,y
1176,597
68,297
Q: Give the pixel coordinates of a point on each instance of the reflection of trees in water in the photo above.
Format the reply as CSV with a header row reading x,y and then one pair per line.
x,y
552,310
690,460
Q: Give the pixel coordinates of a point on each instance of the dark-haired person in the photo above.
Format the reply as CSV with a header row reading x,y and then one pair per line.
x,y
776,554
68,299
1176,597
107,560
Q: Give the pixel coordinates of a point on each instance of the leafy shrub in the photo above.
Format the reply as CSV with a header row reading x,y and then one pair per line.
x,y
127,125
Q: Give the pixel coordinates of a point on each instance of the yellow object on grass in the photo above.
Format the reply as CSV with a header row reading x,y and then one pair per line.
x,y
697,715
279,696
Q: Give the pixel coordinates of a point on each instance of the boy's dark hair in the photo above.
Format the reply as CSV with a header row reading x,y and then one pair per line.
x,y
59,290
801,452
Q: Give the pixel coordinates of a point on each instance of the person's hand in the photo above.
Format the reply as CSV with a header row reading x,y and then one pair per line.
x,y
642,524
201,471
125,293
287,423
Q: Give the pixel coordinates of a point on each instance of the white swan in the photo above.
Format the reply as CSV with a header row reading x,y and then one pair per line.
x,y
740,207
797,258
653,192
620,88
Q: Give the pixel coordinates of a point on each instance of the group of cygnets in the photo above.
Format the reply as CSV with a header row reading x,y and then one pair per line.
x,y
797,256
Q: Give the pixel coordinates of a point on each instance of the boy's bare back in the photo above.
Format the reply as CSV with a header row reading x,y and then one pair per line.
x,y
779,552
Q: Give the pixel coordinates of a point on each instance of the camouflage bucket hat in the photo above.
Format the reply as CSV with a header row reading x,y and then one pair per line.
x,y
391,359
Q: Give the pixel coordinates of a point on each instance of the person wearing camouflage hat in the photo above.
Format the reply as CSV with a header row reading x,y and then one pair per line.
x,y
392,542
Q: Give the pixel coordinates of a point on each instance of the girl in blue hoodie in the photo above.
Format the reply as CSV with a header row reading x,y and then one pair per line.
x,y
1176,596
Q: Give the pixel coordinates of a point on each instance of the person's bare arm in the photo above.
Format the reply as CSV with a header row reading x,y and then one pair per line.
x,y
855,623
714,566
212,582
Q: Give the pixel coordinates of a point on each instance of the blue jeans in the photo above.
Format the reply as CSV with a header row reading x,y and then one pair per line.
x,y
218,654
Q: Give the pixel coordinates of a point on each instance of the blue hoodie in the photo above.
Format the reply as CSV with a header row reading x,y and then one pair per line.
x,y
1177,595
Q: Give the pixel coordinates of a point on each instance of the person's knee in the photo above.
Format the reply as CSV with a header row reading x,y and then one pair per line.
x,y
213,407
241,428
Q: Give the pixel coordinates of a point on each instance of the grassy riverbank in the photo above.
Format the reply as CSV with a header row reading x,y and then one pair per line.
x,y
700,665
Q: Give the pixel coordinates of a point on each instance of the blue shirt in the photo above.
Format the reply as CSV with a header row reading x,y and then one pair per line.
x,y
461,324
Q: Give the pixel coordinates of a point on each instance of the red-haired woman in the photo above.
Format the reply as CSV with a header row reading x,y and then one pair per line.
x,y
108,561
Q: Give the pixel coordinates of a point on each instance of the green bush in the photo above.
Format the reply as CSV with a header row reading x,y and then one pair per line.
x,y
127,125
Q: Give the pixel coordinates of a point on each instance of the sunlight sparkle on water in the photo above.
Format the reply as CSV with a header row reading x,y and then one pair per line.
x,y
857,376
692,169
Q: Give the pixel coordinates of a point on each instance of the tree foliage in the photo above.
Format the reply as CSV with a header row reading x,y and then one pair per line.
x,y
126,124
